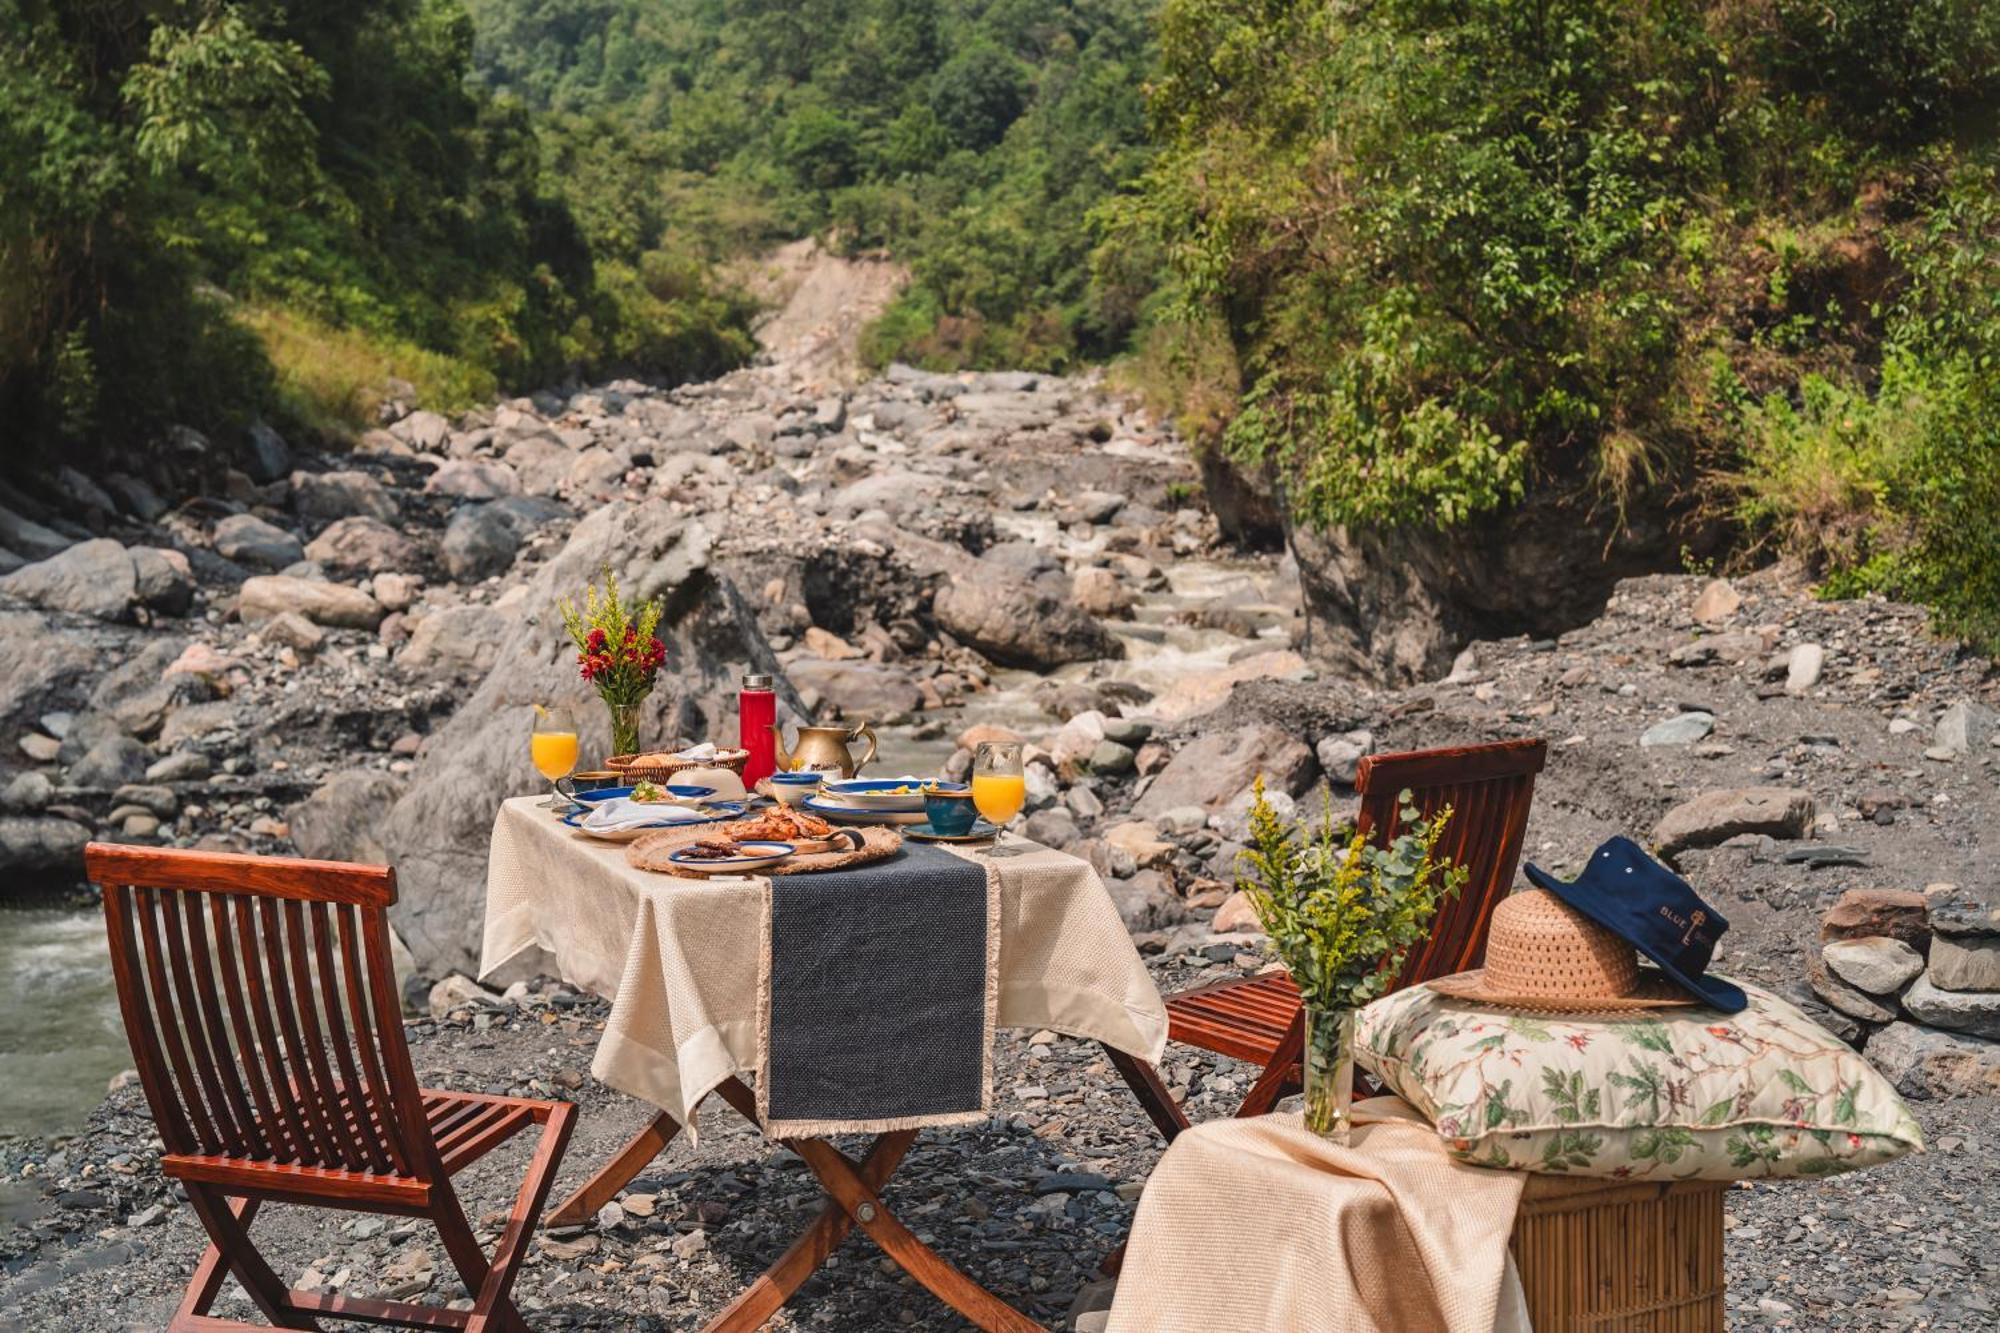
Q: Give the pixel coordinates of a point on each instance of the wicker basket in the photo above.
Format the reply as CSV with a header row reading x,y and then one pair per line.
x,y
733,760
1611,1256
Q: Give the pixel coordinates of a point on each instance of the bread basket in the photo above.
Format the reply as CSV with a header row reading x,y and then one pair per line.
x,y
658,767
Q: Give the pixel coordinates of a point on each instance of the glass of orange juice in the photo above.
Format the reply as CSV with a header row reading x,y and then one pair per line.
x,y
999,783
552,746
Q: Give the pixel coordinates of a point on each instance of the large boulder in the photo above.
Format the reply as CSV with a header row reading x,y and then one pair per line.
x,y
1020,624
858,688
364,543
1213,769
331,495
332,604
437,834
468,479
104,579
1974,1012
1717,816
341,820
249,540
1924,1063
454,640
41,844
481,539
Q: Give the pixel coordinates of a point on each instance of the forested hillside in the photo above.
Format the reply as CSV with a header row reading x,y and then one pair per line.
x,y
971,138
1736,260
210,211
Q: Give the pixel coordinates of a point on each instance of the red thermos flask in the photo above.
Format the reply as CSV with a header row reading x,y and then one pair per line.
x,y
756,712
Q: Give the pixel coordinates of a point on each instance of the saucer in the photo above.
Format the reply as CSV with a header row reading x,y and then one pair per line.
x,y
982,831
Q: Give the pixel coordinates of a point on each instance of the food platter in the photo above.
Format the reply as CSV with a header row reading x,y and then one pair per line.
x,y
681,794
888,795
751,856
841,813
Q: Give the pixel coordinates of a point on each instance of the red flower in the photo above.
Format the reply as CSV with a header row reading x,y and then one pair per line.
x,y
1578,1039
595,643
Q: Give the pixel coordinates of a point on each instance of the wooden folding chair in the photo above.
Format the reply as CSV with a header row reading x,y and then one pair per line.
x,y
267,1028
1261,1018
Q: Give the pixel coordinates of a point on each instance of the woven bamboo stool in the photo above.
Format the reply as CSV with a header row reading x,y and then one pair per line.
x,y
1613,1256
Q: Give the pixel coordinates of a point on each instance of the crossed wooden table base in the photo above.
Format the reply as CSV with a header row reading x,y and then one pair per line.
x,y
853,1197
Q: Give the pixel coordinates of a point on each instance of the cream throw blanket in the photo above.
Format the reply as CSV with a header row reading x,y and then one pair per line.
x,y
1260,1224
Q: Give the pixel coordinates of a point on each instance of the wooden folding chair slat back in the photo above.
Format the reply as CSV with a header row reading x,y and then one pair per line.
x,y
266,1025
1260,1018
1488,789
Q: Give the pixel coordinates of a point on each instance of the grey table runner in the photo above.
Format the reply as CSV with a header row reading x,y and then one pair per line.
x,y
877,993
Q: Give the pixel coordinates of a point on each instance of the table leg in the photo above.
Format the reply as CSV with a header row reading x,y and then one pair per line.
x,y
601,1188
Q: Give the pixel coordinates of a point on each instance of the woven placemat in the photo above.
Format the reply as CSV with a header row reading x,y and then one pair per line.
x,y
651,853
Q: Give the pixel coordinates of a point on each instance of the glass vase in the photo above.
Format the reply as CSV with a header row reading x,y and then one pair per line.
x,y
1329,1072
625,728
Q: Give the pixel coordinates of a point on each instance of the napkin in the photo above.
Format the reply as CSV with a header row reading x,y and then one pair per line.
x,y
624,813
706,750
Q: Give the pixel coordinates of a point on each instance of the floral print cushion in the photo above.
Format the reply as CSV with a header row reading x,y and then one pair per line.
x,y
1669,1094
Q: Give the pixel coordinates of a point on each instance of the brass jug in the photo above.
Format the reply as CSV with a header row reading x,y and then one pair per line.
x,y
819,747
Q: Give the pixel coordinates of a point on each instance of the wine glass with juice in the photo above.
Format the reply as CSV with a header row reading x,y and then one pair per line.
x,y
552,747
999,783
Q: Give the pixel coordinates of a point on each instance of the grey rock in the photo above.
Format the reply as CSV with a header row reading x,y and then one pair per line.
x,y
541,463
1803,668
1053,828
41,843
359,542
162,579
83,493
1340,755
1099,592
1210,770
469,480
453,639
482,539
1017,624
135,497
266,457
157,800
1925,1063
1133,731
1717,816
858,688
93,578
334,604
1964,962
1973,1012
422,430
291,630
1146,901
1876,964
1839,995
331,495
249,540
181,766
1681,729
111,762
28,792
1964,727
29,539
342,820
1110,759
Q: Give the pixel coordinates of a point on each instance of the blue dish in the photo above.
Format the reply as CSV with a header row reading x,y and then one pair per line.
x,y
679,793
713,814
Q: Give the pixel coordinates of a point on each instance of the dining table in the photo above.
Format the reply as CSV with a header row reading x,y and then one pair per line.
x,y
681,963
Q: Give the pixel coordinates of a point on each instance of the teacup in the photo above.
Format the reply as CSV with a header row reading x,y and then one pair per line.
x,y
594,780
950,810
794,788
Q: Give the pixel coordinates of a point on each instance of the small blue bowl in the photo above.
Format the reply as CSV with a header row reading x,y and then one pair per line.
x,y
950,810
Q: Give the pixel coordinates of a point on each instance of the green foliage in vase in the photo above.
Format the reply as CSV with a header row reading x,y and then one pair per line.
x,y
1342,915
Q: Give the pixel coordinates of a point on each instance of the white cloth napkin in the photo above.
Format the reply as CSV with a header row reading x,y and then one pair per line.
x,y
624,813
706,750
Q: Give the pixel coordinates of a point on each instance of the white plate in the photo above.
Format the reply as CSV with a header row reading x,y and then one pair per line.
x,y
853,814
877,793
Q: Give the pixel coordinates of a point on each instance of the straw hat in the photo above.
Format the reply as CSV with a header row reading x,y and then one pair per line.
x,y
1542,954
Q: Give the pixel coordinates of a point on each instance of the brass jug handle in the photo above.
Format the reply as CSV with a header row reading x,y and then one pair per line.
x,y
780,751
864,730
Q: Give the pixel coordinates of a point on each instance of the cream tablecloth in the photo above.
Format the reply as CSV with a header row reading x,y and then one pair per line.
x,y
1261,1224
678,957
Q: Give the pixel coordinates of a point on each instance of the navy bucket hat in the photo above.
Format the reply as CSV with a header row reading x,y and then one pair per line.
x,y
1641,901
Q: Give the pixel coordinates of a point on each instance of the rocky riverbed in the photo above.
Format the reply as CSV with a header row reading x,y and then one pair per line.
x,y
334,654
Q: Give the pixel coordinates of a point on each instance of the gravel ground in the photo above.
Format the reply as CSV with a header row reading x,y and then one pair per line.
x,y
1028,1204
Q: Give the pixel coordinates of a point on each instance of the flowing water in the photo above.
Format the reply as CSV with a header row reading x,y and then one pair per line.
x,y
61,1040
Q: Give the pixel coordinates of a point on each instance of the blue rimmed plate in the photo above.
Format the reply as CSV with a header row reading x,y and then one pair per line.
x,y
683,795
840,812
894,795
713,813
982,831
755,856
